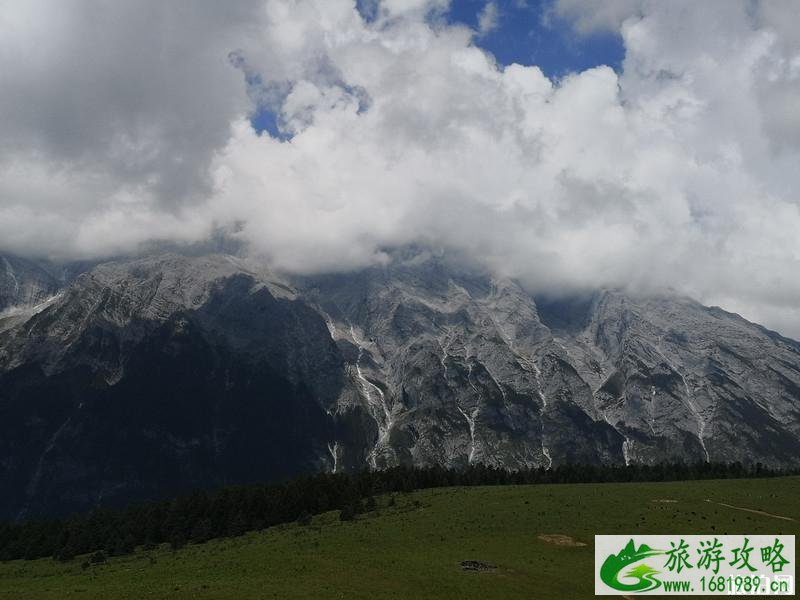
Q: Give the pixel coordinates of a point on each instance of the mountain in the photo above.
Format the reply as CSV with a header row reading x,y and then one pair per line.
x,y
143,378
24,282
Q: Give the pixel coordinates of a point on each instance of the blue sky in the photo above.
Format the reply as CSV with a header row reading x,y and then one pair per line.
x,y
523,35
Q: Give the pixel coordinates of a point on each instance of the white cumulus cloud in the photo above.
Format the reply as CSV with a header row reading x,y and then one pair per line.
x,y
128,122
488,18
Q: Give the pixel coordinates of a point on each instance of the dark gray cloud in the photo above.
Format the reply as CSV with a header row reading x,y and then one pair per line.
x,y
132,95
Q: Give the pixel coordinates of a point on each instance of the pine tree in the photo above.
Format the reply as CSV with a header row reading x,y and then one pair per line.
x,y
348,513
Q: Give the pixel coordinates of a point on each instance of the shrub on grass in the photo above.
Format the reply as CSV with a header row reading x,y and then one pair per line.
x,y
177,542
202,532
348,513
66,554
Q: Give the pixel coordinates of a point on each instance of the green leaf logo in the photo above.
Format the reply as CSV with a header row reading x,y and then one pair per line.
x,y
644,575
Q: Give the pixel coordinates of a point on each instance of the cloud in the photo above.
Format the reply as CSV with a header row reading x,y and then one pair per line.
x,y
129,123
593,17
488,18
109,111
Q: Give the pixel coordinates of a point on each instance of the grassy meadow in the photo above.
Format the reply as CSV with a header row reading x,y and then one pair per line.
x,y
413,550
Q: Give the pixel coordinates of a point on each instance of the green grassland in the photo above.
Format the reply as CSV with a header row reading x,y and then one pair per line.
x,y
413,549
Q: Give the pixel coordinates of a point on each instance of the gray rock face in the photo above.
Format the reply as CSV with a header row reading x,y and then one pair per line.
x,y
147,377
24,283
157,376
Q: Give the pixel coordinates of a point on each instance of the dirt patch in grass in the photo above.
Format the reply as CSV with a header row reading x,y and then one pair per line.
x,y
752,510
559,539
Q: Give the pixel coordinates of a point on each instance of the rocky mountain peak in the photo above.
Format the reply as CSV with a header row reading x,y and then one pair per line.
x,y
203,362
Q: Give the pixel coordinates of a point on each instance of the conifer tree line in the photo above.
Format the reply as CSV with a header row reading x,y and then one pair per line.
x,y
232,511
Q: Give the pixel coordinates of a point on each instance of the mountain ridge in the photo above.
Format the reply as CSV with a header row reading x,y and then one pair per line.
x,y
221,371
